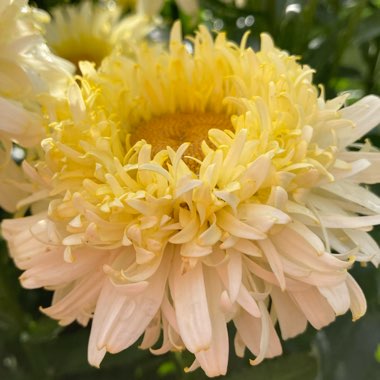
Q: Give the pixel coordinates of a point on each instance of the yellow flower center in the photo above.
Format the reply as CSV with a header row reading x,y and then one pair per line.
x,y
175,129
75,51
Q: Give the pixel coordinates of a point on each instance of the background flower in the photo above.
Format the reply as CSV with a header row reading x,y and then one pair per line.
x,y
152,8
90,31
27,71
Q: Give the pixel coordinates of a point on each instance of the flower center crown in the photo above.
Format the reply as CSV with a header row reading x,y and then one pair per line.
x,y
178,128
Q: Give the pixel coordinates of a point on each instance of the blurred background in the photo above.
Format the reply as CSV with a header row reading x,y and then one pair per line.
x,y
341,40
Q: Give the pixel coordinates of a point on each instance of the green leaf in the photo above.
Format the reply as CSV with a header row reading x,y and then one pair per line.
x,y
43,329
377,353
346,349
298,366
67,358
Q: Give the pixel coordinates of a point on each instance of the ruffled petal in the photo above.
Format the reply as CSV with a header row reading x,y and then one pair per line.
x,y
291,320
365,115
190,302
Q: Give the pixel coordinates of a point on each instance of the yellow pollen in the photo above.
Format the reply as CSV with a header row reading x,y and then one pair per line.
x,y
175,129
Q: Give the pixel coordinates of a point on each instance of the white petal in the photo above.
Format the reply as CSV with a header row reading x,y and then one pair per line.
x,y
337,296
231,161
81,298
11,176
166,345
274,260
239,345
187,233
354,193
278,197
77,105
237,228
169,313
270,278
247,302
234,268
152,333
195,365
108,305
354,169
247,247
308,236
366,244
138,311
254,176
190,302
95,355
119,320
300,271
358,302
305,249
18,124
263,217
25,245
368,175
249,330
365,114
342,221
192,249
214,360
258,334
315,307
291,320
130,289
51,270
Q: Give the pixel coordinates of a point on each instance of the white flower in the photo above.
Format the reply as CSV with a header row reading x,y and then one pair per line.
x,y
191,190
153,7
90,31
28,71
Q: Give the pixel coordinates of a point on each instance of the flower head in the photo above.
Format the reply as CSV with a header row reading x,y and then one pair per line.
x,y
90,31
153,7
189,190
28,70
127,4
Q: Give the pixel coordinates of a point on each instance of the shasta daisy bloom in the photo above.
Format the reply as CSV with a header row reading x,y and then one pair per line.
x,y
153,7
90,31
193,190
28,70
127,4
25,66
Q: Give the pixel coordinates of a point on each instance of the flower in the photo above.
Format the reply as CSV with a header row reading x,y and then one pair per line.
x,y
90,31
11,175
153,7
127,4
28,70
190,190
238,3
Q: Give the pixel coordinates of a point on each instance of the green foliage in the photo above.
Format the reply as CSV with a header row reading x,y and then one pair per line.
x,y
288,367
377,353
341,40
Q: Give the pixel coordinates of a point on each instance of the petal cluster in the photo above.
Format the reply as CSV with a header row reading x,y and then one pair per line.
x,y
153,7
90,31
261,227
28,70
